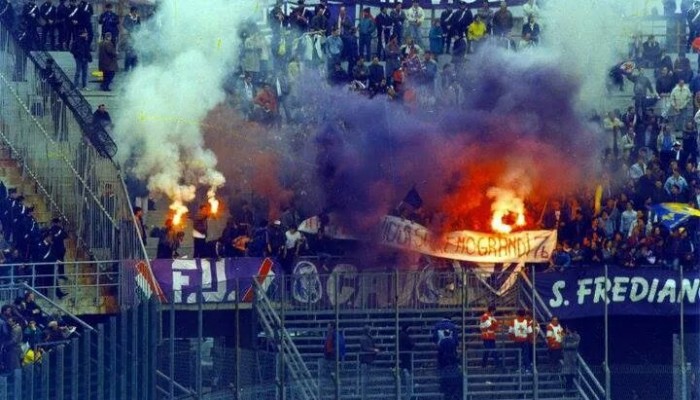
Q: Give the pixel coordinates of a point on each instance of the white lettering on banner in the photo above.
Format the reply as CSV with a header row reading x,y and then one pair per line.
x,y
622,289
361,290
619,288
179,280
640,288
219,292
529,246
583,289
689,290
602,286
342,274
558,299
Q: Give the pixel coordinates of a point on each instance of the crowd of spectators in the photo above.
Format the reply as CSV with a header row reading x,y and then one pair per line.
x,y
27,332
400,55
25,241
68,26
393,54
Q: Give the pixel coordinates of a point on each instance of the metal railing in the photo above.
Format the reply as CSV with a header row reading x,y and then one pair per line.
x,y
88,284
587,383
43,124
301,377
428,288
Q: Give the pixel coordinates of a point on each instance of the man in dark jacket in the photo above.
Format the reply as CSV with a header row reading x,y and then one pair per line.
x,y
368,352
110,23
107,61
406,345
82,56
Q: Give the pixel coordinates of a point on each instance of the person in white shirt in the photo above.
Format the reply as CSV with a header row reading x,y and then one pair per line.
x,y
530,9
627,218
416,15
681,105
292,244
638,169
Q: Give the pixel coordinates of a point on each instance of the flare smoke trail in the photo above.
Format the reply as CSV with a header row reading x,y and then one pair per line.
x,y
186,50
521,130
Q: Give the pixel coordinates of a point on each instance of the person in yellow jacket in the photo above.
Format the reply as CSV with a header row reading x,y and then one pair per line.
x,y
476,33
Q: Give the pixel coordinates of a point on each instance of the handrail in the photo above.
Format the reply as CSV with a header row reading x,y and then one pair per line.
x,y
543,309
268,316
63,310
175,384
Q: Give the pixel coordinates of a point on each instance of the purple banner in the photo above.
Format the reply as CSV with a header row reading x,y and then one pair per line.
x,y
224,280
583,292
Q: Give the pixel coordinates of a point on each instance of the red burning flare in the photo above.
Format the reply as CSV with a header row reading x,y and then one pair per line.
x,y
179,210
213,202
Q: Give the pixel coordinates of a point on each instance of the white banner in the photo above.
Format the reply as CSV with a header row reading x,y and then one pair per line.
x,y
527,246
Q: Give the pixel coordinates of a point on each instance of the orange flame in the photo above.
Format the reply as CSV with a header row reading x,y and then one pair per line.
x,y
506,205
213,202
179,210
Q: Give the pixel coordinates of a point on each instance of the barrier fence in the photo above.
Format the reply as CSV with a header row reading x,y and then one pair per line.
x,y
45,129
224,350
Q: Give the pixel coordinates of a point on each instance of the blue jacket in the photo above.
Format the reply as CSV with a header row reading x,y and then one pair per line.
x,y
366,26
339,346
440,328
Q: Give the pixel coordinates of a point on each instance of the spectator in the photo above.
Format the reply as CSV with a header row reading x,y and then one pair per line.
x,y
555,337
101,116
12,347
415,16
334,344
533,29
385,26
376,73
368,353
488,325
570,345
437,38
503,21
459,21
334,48
681,105
682,68
107,61
132,21
130,56
651,53
448,366
200,227
32,334
642,89
82,56
665,82
366,28
110,24
294,240
530,9
398,19
406,346
360,72
476,33
486,15
520,329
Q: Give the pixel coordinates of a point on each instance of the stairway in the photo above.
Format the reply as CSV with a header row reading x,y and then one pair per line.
x,y
301,381
308,332
85,296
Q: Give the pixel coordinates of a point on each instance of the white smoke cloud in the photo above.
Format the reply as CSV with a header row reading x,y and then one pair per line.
x,y
589,37
187,50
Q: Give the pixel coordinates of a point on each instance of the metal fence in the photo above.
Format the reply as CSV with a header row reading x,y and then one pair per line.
x,y
53,152
112,360
90,287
